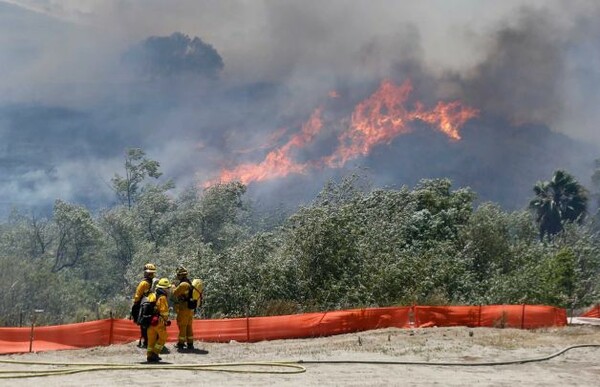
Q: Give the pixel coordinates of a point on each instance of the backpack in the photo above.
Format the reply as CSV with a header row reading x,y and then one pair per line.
x,y
135,308
194,292
147,310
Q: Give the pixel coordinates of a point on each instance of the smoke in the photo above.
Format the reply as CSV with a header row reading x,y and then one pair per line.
x,y
521,74
208,86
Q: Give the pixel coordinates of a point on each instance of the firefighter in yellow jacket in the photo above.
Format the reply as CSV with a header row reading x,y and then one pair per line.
x,y
157,331
142,289
185,315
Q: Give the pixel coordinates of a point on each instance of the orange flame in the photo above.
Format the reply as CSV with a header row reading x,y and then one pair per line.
x,y
378,119
278,162
271,141
383,116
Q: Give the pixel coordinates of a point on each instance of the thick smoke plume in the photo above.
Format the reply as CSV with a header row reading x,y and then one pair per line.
x,y
208,91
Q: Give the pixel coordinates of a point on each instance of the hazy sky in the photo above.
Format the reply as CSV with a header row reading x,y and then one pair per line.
x,y
70,106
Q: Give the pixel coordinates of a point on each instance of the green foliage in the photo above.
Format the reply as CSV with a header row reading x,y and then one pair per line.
x,y
118,225
137,168
354,246
558,201
247,277
558,277
77,234
222,214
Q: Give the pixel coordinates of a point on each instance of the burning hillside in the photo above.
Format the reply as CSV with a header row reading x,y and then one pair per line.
x,y
386,114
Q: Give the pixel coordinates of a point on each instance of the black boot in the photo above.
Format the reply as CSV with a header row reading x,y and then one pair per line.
x,y
179,346
190,345
153,358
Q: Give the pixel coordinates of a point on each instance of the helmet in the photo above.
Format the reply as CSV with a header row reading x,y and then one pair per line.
x,y
163,283
181,272
149,268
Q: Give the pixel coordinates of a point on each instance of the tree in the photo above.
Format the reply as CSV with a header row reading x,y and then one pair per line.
x,y
154,214
118,224
223,210
27,236
560,200
77,234
137,168
175,55
595,195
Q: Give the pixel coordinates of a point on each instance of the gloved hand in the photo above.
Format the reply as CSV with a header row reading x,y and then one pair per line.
x,y
168,323
154,321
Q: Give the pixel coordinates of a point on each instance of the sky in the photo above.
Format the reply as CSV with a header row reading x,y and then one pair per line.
x,y
83,80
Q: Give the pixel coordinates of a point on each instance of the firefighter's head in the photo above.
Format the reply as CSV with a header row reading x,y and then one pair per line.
x,y
181,272
149,270
163,283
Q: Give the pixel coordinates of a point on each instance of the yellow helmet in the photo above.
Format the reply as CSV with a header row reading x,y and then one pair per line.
x,y
149,268
163,283
181,272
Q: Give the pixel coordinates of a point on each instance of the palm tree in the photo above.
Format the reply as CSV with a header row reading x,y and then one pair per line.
x,y
558,201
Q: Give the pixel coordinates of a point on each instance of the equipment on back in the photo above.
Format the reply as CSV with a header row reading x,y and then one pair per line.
x,y
135,308
194,293
135,312
147,310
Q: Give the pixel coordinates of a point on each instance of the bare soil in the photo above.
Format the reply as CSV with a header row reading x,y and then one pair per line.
x,y
577,367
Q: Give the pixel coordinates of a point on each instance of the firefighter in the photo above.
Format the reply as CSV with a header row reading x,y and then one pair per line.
x,y
185,308
157,331
142,290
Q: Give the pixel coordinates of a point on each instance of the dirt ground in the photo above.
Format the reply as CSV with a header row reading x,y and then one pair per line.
x,y
577,367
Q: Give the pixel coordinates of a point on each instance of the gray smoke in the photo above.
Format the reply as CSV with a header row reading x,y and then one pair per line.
x,y
208,85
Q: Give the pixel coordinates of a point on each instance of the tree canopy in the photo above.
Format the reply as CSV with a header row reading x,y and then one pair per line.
x,y
355,245
558,201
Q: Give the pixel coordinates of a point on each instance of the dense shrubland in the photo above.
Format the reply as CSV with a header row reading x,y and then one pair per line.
x,y
353,246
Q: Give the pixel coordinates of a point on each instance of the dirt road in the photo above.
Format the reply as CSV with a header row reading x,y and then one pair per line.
x,y
578,367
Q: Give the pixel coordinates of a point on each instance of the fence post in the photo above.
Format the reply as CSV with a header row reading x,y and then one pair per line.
x,y
523,317
33,319
319,329
31,333
479,320
247,329
112,323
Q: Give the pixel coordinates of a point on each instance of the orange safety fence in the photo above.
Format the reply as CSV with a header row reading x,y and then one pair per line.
x,y
253,329
506,316
593,312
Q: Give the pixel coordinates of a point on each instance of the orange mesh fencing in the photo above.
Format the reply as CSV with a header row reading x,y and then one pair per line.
x,y
500,316
593,312
253,329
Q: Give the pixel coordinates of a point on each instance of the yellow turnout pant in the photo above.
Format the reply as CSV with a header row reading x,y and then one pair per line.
x,y
157,337
185,319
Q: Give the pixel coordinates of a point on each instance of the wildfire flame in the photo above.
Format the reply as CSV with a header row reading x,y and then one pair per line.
x,y
271,142
378,119
278,162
